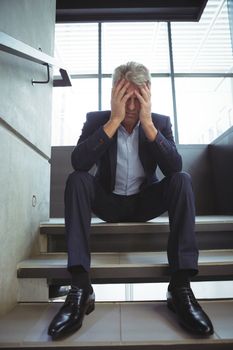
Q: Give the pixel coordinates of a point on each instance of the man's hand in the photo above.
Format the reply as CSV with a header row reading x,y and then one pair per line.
x,y
119,97
118,102
144,98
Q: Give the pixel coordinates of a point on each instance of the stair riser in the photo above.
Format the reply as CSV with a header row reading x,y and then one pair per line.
x,y
138,242
33,290
116,274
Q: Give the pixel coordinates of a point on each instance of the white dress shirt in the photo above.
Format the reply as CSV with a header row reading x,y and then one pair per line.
x,y
129,170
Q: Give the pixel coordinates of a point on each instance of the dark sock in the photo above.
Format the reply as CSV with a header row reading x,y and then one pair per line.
x,y
79,277
179,278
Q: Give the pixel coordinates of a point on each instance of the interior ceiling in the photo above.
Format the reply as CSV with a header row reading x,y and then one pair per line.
x,y
129,10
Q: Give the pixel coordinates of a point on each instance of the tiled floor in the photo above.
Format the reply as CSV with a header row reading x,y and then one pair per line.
x,y
117,324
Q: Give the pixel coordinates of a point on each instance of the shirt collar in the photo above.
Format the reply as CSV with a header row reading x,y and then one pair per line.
x,y
122,128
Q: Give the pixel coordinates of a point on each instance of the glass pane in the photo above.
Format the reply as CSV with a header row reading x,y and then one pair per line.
x,y
70,106
204,46
110,292
202,290
146,43
106,93
204,108
161,95
76,46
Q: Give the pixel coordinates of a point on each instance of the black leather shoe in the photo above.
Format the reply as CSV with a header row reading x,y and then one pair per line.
x,y
191,316
69,318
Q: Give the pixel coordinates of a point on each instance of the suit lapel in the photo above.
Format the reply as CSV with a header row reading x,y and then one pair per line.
x,y
141,145
113,159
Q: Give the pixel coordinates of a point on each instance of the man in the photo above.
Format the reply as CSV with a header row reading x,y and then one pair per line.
x,y
127,143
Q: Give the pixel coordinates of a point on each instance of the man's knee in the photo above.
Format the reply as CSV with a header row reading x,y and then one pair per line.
x,y
181,178
78,177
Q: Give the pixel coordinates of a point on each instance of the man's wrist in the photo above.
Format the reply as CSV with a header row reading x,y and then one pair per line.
x,y
111,127
147,124
150,130
115,121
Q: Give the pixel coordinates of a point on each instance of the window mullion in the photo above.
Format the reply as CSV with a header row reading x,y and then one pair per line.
x,y
176,134
100,66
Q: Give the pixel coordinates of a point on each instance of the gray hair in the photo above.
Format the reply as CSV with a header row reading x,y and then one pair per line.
x,y
134,72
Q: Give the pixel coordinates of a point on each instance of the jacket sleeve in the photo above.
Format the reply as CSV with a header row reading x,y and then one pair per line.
x,y
91,145
164,150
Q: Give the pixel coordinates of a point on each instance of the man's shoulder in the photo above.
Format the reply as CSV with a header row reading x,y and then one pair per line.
x,y
157,116
98,116
160,118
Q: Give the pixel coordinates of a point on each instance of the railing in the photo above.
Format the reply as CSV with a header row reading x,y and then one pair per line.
x,y
17,48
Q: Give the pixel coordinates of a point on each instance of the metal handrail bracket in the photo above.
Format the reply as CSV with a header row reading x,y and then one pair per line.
x,y
17,48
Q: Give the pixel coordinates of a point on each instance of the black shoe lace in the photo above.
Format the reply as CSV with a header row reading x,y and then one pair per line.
x,y
74,296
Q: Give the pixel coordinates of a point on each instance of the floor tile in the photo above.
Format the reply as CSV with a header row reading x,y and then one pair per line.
x,y
221,314
114,324
101,326
151,322
16,324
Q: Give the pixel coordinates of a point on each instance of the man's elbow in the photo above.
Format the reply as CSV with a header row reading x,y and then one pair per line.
x,y
178,165
175,166
76,162
80,163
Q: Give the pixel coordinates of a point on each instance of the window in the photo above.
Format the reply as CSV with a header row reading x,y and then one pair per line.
x,y
145,42
204,107
203,66
69,110
202,98
76,45
127,40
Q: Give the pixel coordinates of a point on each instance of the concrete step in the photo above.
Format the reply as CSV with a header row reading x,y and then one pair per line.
x,y
112,326
213,232
127,267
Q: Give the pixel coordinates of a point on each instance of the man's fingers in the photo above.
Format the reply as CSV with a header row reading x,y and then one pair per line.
x,y
118,85
127,96
120,88
145,92
139,96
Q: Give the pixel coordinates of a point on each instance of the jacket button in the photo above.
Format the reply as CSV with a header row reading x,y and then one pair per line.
x,y
101,140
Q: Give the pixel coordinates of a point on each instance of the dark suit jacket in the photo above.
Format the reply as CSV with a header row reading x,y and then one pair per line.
x,y
95,147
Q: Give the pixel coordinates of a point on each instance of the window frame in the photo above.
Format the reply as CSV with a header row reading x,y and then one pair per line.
x,y
171,74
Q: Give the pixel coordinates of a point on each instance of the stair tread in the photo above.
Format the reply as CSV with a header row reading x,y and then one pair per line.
x,y
113,265
205,222
118,324
137,258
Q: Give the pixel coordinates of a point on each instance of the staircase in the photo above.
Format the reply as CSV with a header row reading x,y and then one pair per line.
x,y
121,253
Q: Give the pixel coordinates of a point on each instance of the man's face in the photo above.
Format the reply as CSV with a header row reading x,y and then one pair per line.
x,y
132,107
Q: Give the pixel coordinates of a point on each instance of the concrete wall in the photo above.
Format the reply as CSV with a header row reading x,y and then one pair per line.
x,y
25,129
221,152
195,161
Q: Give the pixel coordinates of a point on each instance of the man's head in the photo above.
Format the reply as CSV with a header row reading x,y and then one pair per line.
x,y
134,72
136,75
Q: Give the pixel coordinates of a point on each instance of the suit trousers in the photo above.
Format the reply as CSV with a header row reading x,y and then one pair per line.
x,y
84,195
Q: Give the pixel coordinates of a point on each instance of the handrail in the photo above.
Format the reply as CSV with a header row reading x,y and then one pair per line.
x,y
18,48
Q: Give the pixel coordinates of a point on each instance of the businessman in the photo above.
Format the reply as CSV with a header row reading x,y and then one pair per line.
x,y
127,144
